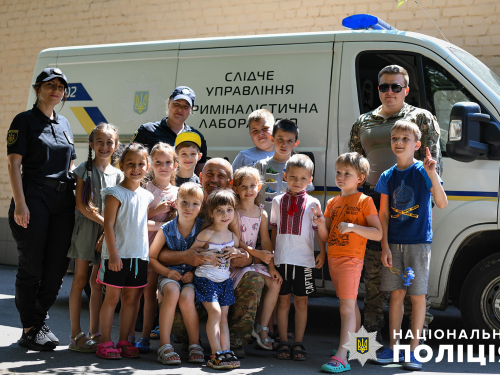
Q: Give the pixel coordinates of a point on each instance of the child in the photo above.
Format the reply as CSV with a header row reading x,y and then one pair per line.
x,y
293,239
92,176
175,282
405,213
285,139
350,219
187,148
125,251
248,224
214,288
260,125
163,167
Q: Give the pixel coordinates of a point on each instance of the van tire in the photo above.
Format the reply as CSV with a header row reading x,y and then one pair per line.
x,y
480,297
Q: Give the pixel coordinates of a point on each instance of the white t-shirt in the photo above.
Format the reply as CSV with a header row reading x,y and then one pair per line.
x,y
131,226
220,273
295,233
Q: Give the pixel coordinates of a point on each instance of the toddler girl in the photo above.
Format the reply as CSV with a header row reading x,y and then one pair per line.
x,y
163,167
175,283
247,224
92,176
214,288
125,251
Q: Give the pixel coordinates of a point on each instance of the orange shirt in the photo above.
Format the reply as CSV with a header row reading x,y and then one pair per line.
x,y
351,209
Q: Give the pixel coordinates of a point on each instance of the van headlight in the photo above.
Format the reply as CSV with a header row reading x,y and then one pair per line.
x,y
455,131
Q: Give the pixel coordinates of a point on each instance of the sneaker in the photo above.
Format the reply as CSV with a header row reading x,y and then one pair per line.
x,y
36,339
413,365
45,328
386,356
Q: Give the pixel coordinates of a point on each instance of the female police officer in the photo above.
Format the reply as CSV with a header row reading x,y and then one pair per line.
x,y
42,211
179,106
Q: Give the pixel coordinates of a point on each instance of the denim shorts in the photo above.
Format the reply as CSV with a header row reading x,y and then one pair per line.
x,y
162,281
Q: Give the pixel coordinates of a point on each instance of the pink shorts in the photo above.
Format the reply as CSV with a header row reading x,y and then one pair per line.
x,y
345,273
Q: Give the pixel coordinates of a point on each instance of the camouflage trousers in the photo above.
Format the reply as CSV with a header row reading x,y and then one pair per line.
x,y
376,300
241,315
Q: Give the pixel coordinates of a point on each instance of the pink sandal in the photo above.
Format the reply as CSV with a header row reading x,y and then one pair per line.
x,y
128,350
107,350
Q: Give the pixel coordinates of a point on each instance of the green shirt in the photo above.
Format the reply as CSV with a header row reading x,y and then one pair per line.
x,y
371,137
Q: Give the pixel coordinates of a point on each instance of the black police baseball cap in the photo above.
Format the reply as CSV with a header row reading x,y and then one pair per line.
x,y
49,74
184,92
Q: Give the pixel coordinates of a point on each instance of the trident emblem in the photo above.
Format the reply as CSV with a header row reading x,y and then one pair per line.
x,y
141,102
362,345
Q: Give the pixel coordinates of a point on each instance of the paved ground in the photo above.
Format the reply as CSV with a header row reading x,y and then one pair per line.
x,y
322,335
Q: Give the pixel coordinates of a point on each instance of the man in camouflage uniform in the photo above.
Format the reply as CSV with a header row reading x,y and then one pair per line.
x,y
218,174
371,137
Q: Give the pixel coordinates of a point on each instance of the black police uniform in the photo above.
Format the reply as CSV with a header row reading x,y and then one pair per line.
x,y
152,133
47,149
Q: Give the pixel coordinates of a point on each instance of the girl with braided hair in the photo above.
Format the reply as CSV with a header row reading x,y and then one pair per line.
x,y
91,177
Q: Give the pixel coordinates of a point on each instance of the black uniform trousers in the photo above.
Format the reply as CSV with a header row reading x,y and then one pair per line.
x,y
42,248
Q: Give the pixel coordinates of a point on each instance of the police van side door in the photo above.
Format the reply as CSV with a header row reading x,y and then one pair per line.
x,y
291,80
472,188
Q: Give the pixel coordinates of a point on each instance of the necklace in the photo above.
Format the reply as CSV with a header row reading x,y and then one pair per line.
x,y
161,187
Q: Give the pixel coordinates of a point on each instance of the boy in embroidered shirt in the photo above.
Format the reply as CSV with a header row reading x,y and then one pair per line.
x,y
285,138
260,124
293,234
406,217
187,150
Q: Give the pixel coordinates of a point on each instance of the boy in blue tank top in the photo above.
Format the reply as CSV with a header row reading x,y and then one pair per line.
x,y
406,217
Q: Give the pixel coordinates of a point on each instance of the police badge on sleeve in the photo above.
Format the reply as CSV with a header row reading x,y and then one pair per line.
x,y
12,136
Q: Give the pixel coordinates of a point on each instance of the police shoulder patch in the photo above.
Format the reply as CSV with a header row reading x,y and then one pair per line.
x,y
134,136
12,136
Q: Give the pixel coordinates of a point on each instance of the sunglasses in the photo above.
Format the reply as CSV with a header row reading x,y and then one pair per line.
x,y
395,87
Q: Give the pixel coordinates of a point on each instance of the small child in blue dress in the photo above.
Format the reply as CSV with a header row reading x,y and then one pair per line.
x,y
214,288
175,282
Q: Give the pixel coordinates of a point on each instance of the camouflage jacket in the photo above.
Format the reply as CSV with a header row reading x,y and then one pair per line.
x,y
424,119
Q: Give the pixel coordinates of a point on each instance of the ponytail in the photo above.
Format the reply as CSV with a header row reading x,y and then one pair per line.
x,y
88,189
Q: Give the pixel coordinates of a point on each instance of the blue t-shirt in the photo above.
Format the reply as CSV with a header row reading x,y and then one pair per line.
x,y
410,220
176,242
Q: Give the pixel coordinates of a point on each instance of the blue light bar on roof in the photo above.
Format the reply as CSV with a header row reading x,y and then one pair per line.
x,y
364,22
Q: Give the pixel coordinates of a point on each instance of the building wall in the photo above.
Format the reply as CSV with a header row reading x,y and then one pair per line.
x,y
27,27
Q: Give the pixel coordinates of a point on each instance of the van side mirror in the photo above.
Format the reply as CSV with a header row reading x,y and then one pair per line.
x,y
472,134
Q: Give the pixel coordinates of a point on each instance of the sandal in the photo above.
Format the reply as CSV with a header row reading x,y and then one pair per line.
x,y
90,345
296,352
164,357
195,349
155,334
263,343
107,350
128,350
334,352
283,347
143,345
95,336
131,340
335,365
218,361
232,358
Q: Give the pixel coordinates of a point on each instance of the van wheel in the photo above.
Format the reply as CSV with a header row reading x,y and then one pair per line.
x,y
480,306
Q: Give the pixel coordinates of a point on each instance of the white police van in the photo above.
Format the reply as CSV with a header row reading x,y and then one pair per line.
x,y
324,81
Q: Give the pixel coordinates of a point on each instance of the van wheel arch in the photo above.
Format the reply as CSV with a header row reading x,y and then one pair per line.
x,y
481,291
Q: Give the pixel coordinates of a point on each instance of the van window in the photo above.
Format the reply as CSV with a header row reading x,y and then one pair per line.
x,y
442,91
368,65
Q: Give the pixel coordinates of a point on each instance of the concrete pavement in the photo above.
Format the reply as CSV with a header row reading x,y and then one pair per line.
x,y
322,335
